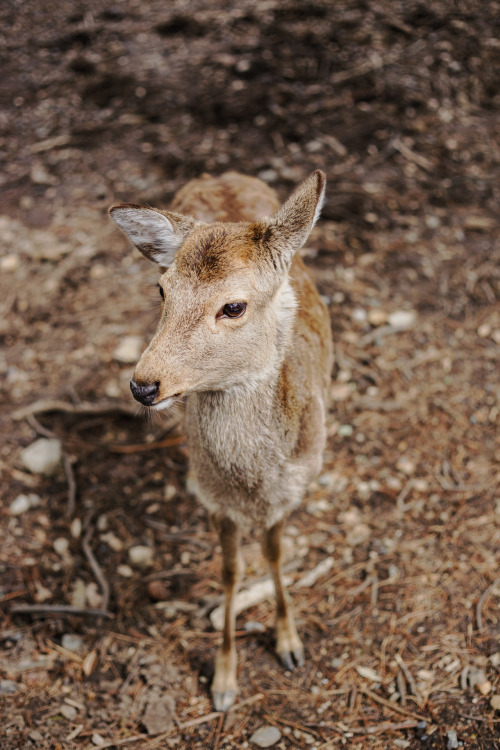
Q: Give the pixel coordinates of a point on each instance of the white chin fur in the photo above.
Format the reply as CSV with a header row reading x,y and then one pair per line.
x,y
165,404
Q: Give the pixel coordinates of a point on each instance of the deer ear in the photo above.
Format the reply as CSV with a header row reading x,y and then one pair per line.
x,y
157,235
291,225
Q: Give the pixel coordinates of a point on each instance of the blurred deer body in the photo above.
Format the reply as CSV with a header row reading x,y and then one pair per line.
x,y
245,337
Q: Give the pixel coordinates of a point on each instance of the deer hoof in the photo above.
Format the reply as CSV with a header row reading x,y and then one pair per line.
x,y
223,700
292,659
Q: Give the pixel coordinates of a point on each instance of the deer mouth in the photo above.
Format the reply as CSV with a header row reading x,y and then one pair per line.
x,y
166,403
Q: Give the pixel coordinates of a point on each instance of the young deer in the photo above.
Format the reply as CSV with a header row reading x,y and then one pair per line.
x,y
246,339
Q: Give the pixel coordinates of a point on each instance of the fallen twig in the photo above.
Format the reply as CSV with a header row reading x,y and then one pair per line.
x,y
482,600
70,477
408,677
100,407
96,568
58,609
388,704
140,447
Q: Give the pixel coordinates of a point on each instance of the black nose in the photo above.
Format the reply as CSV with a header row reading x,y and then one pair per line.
x,y
145,393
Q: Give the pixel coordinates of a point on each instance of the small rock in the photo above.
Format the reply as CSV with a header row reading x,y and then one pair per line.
x,y
76,528
402,743
98,739
170,492
22,503
484,687
402,319
451,739
141,556
158,591
266,736
8,687
42,593
345,430
89,663
377,317
125,571
43,456
484,330
71,642
92,595
494,702
69,712
406,465
112,541
9,263
359,315
129,349
341,391
359,534
254,627
61,546
79,593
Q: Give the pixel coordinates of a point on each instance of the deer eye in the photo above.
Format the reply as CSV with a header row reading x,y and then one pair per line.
x,y
232,310
162,293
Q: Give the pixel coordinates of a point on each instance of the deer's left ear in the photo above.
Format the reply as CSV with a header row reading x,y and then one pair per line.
x,y
291,225
157,235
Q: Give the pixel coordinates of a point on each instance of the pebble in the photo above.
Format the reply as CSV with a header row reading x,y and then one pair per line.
x,y
402,319
76,528
158,591
406,465
252,626
71,642
22,503
61,546
495,702
8,687
345,430
69,712
266,736
43,456
170,492
9,263
125,571
112,541
141,556
377,317
129,349
359,315
451,739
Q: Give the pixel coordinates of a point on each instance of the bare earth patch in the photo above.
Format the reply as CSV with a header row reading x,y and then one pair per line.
x,y
109,571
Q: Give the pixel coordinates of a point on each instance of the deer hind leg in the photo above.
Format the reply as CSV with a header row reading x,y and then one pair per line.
x,y
288,644
224,685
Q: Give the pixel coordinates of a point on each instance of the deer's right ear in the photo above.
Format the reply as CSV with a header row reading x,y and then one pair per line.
x,y
158,236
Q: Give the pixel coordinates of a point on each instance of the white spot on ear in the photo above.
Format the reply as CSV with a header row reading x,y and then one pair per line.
x,y
150,231
319,206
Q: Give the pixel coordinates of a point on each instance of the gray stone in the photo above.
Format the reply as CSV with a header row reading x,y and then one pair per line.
x,y
71,642
8,687
43,456
266,736
451,739
22,503
141,556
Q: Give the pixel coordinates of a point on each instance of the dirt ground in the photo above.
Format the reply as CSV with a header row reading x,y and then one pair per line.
x,y
398,102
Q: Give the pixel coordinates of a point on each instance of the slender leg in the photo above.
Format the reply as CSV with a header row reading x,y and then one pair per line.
x,y
288,643
224,686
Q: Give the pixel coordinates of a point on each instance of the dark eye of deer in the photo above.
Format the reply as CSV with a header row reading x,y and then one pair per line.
x,y
162,293
232,310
